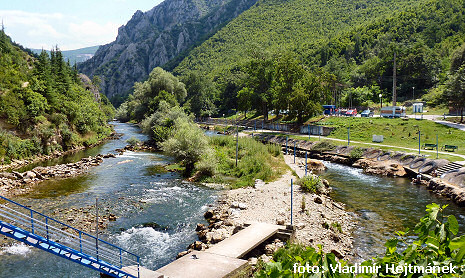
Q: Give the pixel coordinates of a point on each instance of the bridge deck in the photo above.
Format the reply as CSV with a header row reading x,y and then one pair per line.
x,y
224,258
245,240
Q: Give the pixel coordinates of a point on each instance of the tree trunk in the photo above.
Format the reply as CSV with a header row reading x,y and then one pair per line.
x,y
461,115
299,117
265,111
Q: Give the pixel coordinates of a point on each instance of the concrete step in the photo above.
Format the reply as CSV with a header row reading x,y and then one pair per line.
x,y
224,258
449,167
245,240
201,264
143,272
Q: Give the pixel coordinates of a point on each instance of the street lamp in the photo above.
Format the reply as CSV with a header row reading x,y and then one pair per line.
x,y
381,102
413,97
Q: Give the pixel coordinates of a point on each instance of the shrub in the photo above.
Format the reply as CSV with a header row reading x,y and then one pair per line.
x,y
207,164
133,141
187,144
323,146
356,153
312,184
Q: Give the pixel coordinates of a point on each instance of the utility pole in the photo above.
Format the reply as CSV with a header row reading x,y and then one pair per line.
x,y
394,82
237,138
96,228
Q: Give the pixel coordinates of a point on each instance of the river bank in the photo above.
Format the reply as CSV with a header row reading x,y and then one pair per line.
x,y
16,163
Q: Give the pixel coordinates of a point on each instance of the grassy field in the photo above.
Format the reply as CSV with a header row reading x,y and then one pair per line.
x,y
396,132
374,145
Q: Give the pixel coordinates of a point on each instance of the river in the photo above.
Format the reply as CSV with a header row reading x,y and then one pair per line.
x,y
382,206
133,187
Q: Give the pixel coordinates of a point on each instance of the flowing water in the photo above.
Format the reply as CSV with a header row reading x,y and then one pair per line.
x,y
382,205
134,187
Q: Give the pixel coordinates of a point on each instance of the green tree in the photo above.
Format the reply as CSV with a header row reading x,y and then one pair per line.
x,y
287,72
455,92
187,144
201,95
260,77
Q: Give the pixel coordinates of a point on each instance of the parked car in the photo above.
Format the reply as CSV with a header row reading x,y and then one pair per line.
x,y
367,113
351,113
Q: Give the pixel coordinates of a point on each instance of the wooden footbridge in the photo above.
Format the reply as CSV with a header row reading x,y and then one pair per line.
x,y
224,259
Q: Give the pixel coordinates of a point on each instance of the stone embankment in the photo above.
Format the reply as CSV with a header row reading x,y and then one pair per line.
x,y
450,184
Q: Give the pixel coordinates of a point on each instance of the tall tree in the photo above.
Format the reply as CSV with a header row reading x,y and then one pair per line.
x,y
287,72
260,72
455,92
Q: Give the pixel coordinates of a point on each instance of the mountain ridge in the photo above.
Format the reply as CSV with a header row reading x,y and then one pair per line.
x,y
76,55
155,37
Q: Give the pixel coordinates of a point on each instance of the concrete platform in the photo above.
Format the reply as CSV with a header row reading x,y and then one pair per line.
x,y
207,265
144,273
245,240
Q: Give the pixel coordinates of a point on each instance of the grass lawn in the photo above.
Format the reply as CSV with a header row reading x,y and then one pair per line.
x,y
431,155
396,132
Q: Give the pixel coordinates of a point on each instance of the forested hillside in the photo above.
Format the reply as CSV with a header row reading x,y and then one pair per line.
x,y
278,25
350,42
45,106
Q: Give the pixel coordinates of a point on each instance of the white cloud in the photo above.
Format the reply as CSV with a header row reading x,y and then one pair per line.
x,y
39,30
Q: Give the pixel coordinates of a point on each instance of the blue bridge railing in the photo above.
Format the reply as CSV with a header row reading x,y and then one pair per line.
x,y
41,231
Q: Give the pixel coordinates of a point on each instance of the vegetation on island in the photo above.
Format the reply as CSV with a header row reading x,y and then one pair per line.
x,y
44,107
434,248
155,105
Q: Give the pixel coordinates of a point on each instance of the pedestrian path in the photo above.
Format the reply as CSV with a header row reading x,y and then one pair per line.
x,y
223,259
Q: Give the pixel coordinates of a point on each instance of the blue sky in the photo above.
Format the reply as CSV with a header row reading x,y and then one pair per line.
x,y
68,24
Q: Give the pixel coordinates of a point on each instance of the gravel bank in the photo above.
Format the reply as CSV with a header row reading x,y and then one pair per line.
x,y
319,221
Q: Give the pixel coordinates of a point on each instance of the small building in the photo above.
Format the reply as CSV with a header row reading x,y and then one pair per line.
x,y
393,112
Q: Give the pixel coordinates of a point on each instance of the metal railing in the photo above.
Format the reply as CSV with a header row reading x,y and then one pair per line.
x,y
73,240
263,125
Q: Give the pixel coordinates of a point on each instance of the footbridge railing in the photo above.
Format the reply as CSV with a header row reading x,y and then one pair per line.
x,y
41,231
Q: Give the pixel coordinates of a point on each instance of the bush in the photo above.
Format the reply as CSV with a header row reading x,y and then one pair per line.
x,y
312,184
356,153
133,141
323,146
207,166
187,144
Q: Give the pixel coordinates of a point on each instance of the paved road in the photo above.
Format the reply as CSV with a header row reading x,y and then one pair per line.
x,y
453,125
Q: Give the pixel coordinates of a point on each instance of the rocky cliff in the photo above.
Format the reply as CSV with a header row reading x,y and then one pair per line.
x,y
155,37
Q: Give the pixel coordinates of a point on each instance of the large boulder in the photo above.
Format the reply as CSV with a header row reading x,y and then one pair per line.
x,y
315,165
383,168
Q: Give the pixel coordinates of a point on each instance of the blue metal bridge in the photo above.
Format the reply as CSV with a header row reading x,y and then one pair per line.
x,y
38,230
